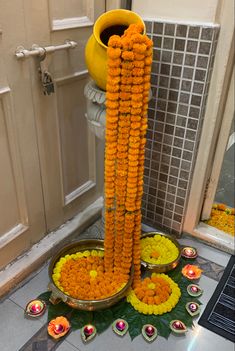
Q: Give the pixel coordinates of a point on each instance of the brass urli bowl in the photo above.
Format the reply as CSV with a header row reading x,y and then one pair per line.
x,y
162,268
88,305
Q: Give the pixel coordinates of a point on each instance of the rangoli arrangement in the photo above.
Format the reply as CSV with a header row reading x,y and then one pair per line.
x,y
154,303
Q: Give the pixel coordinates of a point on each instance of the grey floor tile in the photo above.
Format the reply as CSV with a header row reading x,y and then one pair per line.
x,y
65,346
16,330
33,288
37,285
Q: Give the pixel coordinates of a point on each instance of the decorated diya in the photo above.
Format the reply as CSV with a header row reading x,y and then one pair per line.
x,y
159,252
35,308
88,332
178,327
192,272
189,252
58,327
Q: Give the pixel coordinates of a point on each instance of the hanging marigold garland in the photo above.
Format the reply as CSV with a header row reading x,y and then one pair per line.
x,y
128,85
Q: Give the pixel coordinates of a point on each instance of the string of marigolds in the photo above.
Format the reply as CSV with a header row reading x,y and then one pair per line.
x,y
128,85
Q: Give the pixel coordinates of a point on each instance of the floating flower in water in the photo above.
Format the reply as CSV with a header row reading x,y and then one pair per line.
x,y
158,250
191,271
35,308
58,327
157,294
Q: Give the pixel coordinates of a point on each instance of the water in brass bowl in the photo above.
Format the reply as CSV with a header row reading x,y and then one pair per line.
x,y
88,305
162,268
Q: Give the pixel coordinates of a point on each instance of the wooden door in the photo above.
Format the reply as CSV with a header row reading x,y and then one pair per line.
x,y
22,219
51,165
67,150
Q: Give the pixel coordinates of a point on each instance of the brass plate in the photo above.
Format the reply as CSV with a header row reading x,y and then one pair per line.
x,y
162,268
87,305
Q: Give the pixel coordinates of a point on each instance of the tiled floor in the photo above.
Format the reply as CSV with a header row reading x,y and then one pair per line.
x,y
18,332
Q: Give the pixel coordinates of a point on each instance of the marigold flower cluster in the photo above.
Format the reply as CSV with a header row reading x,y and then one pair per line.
x,y
157,294
128,84
222,217
158,250
82,276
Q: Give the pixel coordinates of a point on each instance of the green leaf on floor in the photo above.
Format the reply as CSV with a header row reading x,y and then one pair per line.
x,y
45,297
60,309
80,318
102,320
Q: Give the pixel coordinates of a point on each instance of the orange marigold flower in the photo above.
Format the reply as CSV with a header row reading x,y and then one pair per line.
x,y
125,103
112,114
137,105
125,96
114,63
137,80
128,55
112,88
139,48
125,88
115,41
147,78
148,61
126,80
137,97
112,104
112,96
139,57
114,71
138,72
128,65
137,38
126,72
137,89
147,69
136,111
125,109
135,118
113,53
113,80
149,52
124,123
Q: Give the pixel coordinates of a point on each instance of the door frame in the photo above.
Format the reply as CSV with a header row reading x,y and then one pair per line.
x,y
220,82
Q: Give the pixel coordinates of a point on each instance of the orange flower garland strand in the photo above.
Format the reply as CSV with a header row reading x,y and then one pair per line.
x,y
128,85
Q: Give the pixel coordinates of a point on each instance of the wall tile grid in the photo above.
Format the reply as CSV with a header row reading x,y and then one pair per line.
x,y
183,58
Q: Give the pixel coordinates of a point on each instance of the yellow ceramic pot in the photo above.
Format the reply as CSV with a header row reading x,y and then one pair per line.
x,y
109,23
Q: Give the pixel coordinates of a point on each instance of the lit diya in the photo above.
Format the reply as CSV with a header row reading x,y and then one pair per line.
x,y
35,308
191,271
149,332
58,327
120,327
178,327
193,308
189,252
88,332
194,290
